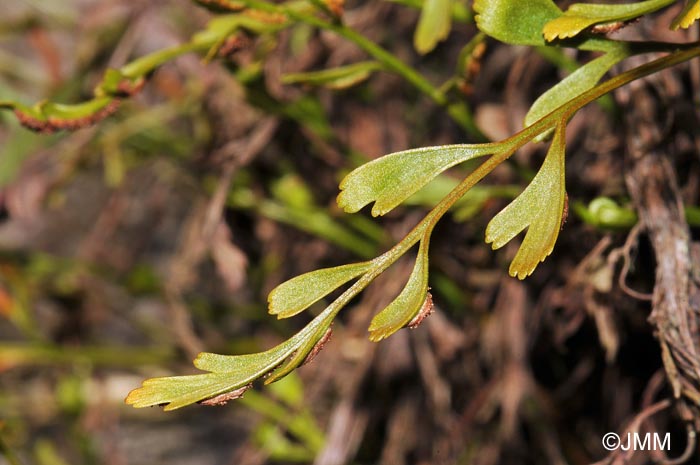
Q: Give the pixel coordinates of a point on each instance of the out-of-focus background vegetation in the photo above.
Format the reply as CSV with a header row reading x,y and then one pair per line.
x,y
129,246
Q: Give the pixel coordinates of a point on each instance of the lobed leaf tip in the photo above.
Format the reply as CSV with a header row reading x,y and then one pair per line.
x,y
563,27
689,14
143,396
538,209
493,239
520,274
377,211
200,360
342,199
133,397
377,334
522,271
273,305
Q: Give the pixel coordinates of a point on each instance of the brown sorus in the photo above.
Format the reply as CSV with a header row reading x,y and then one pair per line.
x,y
222,399
319,346
425,311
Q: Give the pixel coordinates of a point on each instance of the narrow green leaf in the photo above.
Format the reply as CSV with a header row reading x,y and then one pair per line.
x,y
689,14
573,85
217,30
335,78
77,111
391,179
299,293
433,26
177,391
539,209
517,22
292,191
408,303
579,16
48,117
227,372
144,65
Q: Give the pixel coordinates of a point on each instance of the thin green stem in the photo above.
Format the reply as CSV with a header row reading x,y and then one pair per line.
x,y
24,354
423,229
687,52
460,113
144,65
567,110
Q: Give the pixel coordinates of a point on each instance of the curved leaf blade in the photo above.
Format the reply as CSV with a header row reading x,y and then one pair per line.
x,y
391,179
689,14
178,391
517,22
433,26
407,304
579,16
576,83
341,77
539,209
227,373
299,293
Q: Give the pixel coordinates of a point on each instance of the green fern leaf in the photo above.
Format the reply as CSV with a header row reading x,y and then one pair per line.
x,y
539,209
689,14
579,16
299,293
391,179
408,303
335,78
229,375
572,86
517,22
433,26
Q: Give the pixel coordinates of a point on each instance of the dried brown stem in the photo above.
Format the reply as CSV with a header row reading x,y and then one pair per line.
x,y
652,183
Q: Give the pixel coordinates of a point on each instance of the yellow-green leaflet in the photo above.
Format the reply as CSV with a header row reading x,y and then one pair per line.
x,y
227,372
573,85
391,179
517,22
539,209
433,26
341,77
579,16
299,293
689,14
407,304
